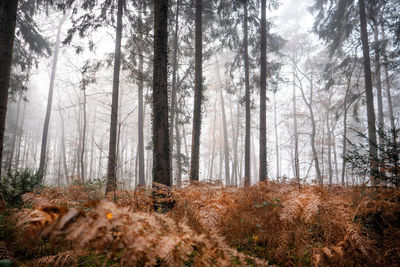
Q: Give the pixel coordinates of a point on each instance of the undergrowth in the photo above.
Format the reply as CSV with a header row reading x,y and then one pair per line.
x,y
204,224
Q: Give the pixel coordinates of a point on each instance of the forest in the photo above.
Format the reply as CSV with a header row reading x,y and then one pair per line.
x,y
199,133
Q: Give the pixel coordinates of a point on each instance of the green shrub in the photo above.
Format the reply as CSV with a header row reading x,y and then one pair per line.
x,y
17,183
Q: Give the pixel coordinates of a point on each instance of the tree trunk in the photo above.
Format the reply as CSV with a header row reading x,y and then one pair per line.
x,y
387,80
83,138
174,85
224,127
263,94
378,82
63,147
213,148
247,172
198,94
14,136
161,149
8,17
43,150
112,157
20,134
328,128
373,153
296,134
276,141
178,153
141,180
309,105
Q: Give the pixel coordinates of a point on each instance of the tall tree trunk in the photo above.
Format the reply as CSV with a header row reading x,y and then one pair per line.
x,y
213,148
141,180
8,17
14,136
83,138
63,147
198,94
174,85
276,141
329,143
224,127
43,150
247,172
20,134
373,153
178,153
161,149
234,147
112,157
387,79
309,105
263,94
378,81
91,170
296,134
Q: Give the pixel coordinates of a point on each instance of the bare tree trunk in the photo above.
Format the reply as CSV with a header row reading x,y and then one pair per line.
x,y
263,94
63,147
247,172
309,105
178,153
335,160
378,81
112,157
387,80
43,150
198,94
91,170
21,132
296,134
8,11
373,153
83,137
328,127
141,181
14,136
213,148
161,146
174,85
276,142
224,127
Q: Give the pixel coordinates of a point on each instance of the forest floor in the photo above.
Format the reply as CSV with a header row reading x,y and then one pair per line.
x,y
204,224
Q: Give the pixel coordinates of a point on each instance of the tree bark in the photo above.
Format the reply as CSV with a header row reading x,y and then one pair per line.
x,y
83,138
63,147
20,134
276,141
387,80
161,146
198,94
112,157
378,81
43,154
263,94
224,127
174,84
247,172
43,150
178,153
141,180
309,105
373,153
8,17
14,136
296,134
